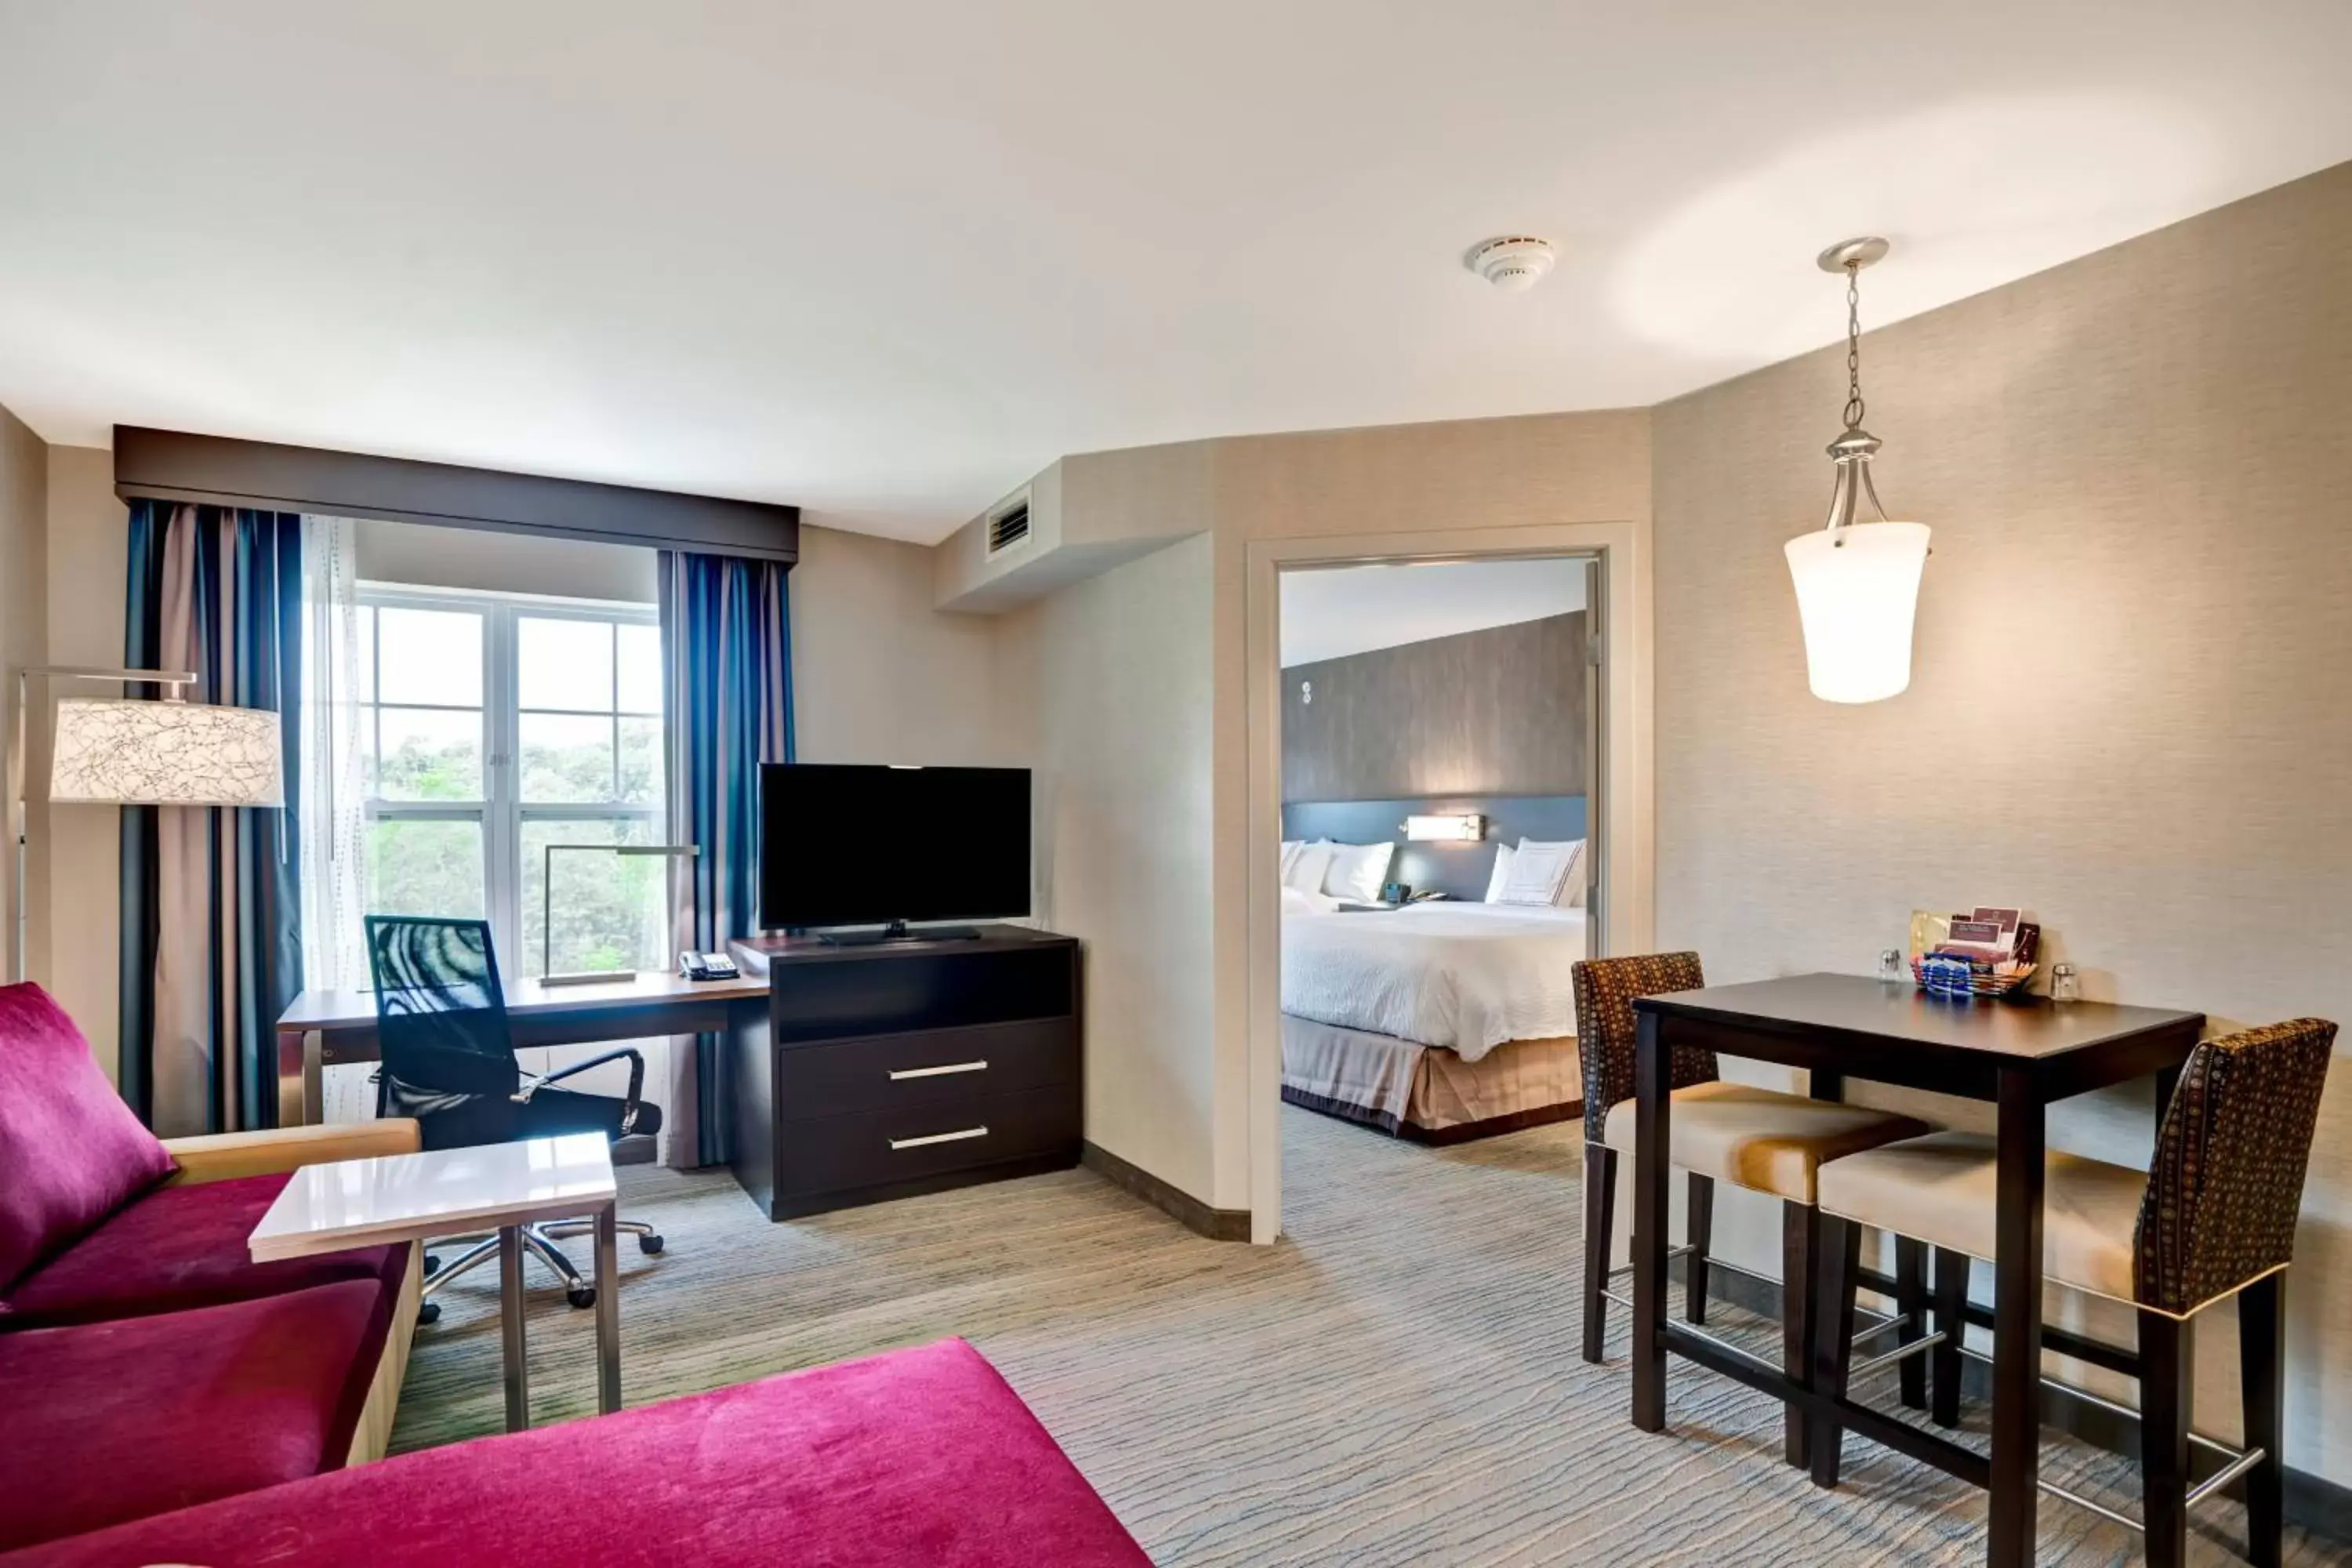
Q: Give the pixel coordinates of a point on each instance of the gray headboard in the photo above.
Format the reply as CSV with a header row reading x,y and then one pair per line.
x,y
1457,870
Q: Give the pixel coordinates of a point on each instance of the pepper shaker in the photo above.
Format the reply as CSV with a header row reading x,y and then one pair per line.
x,y
2065,986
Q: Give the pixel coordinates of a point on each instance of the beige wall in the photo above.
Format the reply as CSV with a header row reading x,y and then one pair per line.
x,y
2127,709
1107,685
24,640
89,548
879,676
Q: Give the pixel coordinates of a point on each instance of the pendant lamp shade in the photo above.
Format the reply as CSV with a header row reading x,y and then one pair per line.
x,y
1857,594
166,753
1857,583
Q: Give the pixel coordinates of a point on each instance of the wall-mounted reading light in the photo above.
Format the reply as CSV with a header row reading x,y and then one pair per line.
x,y
1466,828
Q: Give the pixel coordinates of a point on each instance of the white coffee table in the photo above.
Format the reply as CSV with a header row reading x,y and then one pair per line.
x,y
349,1203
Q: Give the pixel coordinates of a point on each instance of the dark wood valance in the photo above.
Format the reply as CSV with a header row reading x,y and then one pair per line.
x,y
218,470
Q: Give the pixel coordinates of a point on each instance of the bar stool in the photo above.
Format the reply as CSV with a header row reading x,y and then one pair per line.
x,y
1760,1139
2213,1218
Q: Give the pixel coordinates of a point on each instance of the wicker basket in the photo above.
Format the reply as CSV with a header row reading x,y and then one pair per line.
x,y
1981,982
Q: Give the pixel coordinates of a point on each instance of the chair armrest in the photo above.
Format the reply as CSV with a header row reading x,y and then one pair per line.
x,y
631,1103
219,1156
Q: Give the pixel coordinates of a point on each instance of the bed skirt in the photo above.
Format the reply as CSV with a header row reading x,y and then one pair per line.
x,y
1427,1093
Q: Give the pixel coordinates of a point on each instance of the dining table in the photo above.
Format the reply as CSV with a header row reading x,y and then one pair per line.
x,y
2019,1055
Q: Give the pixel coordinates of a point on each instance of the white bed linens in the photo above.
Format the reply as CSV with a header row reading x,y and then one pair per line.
x,y
1462,975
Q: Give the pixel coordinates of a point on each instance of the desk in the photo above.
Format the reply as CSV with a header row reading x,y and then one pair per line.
x,y
326,1028
2019,1057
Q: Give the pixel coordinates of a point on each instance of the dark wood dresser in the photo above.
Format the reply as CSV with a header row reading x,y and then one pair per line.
x,y
885,1071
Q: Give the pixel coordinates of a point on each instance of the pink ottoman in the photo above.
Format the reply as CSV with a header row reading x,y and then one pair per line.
x,y
919,1457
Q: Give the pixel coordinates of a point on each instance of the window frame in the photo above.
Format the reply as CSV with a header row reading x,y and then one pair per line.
x,y
501,812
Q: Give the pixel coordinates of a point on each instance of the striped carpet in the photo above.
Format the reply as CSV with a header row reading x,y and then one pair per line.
x,y
1396,1383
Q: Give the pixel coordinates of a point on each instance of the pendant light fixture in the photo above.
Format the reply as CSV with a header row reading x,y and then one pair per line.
x,y
1857,583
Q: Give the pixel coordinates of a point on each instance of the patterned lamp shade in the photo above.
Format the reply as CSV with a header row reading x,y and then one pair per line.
x,y
166,753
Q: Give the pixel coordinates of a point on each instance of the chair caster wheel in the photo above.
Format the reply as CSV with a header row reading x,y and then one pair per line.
x,y
650,1246
582,1296
431,1263
430,1312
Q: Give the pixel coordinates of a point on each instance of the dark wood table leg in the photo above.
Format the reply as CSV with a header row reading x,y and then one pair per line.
x,y
1653,1062
2017,1324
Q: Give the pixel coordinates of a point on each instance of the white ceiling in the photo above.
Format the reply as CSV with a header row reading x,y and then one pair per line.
x,y
1331,612
887,260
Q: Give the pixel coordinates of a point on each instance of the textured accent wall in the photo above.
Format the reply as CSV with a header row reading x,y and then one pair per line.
x,y
2128,710
1496,711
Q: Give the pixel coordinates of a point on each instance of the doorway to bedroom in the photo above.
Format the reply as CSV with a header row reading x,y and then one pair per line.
x,y
1439,737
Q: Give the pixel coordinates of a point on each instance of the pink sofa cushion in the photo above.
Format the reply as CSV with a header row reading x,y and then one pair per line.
x,y
178,1248
70,1151
923,1458
110,1422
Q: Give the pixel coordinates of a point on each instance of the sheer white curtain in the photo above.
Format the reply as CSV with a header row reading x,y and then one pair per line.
x,y
335,850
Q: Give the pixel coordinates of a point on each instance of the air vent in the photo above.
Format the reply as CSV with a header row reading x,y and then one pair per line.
x,y
1009,527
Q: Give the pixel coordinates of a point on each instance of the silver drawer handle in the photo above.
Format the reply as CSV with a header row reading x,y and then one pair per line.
x,y
937,1072
939,1138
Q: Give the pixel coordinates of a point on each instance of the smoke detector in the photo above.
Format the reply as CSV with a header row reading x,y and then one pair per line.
x,y
1514,262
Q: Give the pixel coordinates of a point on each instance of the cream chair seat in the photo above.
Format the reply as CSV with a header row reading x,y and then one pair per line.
x,y
1762,1139
1942,1190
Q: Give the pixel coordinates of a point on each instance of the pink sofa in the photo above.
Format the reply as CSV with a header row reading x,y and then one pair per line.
x,y
923,1458
148,1363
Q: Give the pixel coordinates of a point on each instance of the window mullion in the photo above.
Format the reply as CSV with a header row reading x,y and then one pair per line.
x,y
503,837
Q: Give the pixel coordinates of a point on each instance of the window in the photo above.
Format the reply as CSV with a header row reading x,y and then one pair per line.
x,y
495,728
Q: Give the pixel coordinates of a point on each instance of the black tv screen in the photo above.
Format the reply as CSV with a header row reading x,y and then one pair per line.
x,y
846,845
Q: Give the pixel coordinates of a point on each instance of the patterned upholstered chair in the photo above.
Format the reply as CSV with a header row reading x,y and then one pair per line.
x,y
1760,1138
2213,1218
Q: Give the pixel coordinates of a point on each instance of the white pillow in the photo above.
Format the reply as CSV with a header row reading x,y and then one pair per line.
x,y
1538,872
1571,891
1358,870
1307,866
1502,876
1299,902
1290,848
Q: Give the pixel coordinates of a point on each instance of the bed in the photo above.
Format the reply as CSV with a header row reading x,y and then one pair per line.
x,y
1438,1022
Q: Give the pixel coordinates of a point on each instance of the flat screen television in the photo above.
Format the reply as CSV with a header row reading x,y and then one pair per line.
x,y
847,844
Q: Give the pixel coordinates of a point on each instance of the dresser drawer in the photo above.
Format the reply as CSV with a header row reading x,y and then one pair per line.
x,y
913,1142
938,1067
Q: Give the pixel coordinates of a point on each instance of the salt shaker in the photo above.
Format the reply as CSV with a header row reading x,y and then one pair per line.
x,y
2065,986
1891,965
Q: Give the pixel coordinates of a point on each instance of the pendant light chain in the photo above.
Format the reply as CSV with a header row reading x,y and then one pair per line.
x,y
1853,407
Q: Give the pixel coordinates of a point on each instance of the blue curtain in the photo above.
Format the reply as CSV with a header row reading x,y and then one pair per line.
x,y
212,906
728,669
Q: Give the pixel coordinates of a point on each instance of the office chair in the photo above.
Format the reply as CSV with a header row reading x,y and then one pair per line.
x,y
449,1062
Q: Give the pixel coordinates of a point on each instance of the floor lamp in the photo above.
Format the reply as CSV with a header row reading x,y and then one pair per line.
x,y
116,751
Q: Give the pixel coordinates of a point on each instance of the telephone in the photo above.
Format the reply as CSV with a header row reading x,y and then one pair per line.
x,y
706,966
